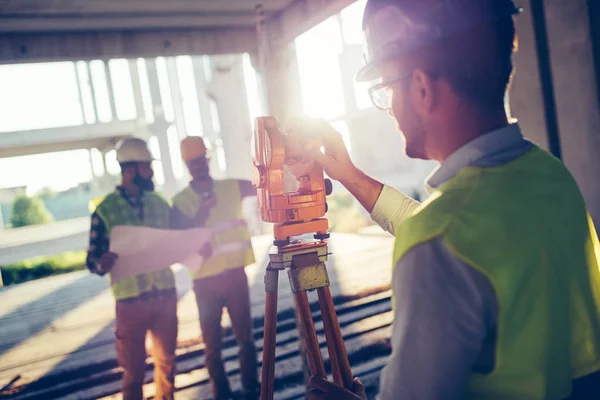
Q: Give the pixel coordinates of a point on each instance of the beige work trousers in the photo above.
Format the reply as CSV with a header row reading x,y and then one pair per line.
x,y
156,314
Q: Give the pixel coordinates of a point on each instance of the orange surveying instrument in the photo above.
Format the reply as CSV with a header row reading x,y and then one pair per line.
x,y
296,213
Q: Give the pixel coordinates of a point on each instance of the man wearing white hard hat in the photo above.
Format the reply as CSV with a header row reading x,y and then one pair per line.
x,y
221,281
144,302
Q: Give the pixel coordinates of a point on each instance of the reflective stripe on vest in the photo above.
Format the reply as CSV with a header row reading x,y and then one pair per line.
x,y
114,210
524,225
231,243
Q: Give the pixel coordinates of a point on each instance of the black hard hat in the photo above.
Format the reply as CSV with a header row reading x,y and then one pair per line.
x,y
395,27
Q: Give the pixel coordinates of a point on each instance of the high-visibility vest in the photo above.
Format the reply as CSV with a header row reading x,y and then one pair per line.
x,y
115,210
524,225
231,243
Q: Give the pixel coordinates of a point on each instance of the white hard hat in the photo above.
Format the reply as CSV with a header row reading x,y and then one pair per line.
x,y
133,150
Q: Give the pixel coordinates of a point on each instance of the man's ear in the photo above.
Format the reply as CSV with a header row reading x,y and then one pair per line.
x,y
423,92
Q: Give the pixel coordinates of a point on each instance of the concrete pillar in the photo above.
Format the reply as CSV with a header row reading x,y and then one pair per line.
x,y
137,92
576,94
525,95
176,97
282,83
203,100
159,128
111,91
228,90
209,134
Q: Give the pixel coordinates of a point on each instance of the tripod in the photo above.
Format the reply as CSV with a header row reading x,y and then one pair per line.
x,y
305,262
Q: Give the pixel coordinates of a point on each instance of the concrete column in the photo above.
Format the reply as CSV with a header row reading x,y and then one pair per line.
x,y
137,92
111,91
282,83
159,128
576,94
203,99
525,95
206,119
176,97
228,90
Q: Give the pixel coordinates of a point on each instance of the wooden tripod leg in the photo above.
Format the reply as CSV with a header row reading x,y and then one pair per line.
x,y
315,359
340,366
269,341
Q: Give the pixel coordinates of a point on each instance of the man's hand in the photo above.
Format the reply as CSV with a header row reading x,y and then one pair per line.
x,y
206,250
334,159
107,261
322,389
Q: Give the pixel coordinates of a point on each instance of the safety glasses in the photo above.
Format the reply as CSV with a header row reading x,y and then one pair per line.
x,y
381,93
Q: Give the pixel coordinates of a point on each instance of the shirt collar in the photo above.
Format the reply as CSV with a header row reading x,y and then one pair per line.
x,y
475,151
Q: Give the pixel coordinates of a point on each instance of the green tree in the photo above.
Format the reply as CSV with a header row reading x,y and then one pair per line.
x,y
29,211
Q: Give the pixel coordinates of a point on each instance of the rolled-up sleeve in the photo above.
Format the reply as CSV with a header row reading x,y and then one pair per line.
x,y
444,315
391,208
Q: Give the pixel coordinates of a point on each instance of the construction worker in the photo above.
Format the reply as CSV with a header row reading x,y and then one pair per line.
x,y
221,280
496,287
144,302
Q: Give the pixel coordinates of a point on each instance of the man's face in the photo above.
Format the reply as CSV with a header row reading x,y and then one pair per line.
x,y
198,168
403,110
143,176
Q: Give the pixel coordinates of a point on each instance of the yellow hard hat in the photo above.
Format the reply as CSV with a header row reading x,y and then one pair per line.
x,y
192,147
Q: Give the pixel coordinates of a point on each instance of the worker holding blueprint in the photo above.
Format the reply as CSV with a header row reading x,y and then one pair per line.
x,y
130,241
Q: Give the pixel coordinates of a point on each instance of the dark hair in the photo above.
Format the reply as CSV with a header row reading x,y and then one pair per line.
x,y
477,63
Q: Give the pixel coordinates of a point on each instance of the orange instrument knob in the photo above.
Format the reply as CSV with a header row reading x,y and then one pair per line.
x,y
328,186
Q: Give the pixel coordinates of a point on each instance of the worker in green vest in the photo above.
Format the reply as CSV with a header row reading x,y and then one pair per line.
x,y
144,302
496,286
221,280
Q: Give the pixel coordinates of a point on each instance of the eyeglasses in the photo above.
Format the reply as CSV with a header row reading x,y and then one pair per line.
x,y
381,94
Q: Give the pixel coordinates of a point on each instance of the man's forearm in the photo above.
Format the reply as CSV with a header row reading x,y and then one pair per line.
x,y
388,207
364,188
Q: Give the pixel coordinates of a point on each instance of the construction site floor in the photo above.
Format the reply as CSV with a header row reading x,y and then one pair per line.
x,y
57,340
